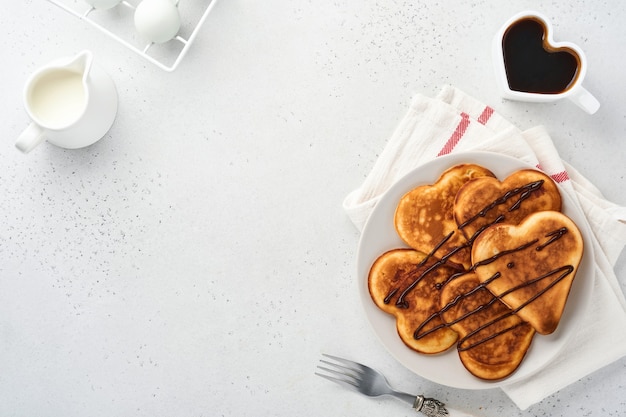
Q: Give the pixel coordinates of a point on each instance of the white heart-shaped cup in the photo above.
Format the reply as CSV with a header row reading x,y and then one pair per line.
x,y
531,66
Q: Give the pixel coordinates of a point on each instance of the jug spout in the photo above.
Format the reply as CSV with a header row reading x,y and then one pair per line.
x,y
81,63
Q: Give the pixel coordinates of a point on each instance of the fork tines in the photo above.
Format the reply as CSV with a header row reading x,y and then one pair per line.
x,y
345,372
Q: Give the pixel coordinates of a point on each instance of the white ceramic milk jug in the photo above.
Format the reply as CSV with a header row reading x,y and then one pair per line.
x,y
71,102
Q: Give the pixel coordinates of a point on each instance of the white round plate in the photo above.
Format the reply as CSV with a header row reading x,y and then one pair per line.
x,y
379,236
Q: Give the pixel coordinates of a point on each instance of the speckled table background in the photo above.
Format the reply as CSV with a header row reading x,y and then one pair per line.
x,y
196,260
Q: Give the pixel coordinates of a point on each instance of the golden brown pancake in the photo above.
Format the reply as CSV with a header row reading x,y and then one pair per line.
x,y
484,201
493,341
404,283
531,266
424,217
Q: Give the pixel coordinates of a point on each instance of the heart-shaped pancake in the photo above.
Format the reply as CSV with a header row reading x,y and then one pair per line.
x,y
406,284
531,266
424,217
532,64
484,201
493,340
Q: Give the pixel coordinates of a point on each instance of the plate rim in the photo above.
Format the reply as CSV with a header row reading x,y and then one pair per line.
x,y
580,293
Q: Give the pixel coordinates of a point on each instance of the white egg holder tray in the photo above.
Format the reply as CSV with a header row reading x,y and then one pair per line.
x,y
118,24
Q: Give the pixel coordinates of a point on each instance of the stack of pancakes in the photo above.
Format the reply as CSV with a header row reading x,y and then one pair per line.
x,y
490,263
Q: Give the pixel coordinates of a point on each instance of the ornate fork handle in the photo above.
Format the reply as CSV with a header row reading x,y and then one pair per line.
x,y
430,407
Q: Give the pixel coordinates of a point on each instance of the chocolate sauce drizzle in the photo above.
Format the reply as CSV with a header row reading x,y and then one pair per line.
x,y
523,193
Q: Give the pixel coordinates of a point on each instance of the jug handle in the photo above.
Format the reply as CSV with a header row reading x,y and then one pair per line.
x,y
32,136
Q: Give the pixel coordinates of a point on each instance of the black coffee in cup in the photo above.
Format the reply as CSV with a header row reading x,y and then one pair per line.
x,y
534,66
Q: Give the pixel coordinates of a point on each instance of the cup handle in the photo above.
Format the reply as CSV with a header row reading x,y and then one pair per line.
x,y
32,136
583,99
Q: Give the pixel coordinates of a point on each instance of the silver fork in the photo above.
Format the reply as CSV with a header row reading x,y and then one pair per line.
x,y
370,382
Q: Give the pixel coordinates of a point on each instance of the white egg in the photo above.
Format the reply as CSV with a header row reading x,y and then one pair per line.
x,y
157,20
103,4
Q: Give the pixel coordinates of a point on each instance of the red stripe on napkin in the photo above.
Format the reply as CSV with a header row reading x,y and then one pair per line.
x,y
485,115
458,133
558,177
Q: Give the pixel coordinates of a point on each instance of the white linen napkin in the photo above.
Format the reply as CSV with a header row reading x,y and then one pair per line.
x,y
456,122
